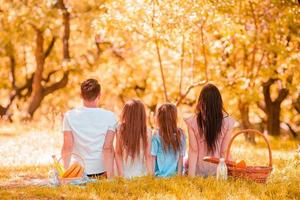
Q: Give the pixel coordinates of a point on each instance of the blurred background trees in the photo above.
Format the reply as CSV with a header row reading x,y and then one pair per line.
x,y
156,51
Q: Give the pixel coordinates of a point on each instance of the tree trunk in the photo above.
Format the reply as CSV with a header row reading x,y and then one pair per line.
x,y
39,92
3,111
66,24
37,89
246,124
17,92
35,103
297,104
273,121
272,108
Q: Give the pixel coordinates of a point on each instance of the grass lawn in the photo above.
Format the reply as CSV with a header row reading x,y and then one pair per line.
x,y
280,186
284,182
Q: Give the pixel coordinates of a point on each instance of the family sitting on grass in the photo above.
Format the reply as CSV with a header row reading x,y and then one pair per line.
x,y
90,132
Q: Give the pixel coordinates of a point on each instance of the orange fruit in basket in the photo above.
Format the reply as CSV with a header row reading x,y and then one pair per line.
x,y
240,164
74,171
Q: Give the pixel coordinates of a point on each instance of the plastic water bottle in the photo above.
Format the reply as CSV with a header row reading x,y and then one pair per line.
x,y
222,170
53,177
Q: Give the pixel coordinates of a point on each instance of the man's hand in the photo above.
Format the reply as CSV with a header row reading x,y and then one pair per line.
x,y
108,153
67,147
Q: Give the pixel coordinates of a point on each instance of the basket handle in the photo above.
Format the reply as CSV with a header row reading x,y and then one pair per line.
x,y
76,154
252,131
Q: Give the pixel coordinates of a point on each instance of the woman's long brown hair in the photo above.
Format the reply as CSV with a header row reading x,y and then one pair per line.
x,y
133,129
168,130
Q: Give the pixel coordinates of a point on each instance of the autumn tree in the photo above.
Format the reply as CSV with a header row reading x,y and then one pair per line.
x,y
157,51
44,36
17,85
247,48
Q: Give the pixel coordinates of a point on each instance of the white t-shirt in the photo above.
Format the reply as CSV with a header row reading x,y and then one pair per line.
x,y
89,127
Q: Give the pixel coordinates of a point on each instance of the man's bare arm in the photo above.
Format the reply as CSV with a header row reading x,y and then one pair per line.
x,y
67,147
108,153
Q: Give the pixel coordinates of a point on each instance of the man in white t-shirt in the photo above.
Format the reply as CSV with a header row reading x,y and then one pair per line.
x,y
89,131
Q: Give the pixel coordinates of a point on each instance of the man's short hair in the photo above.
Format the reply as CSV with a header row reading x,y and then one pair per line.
x,y
90,89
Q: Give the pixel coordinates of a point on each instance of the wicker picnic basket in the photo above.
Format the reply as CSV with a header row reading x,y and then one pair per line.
x,y
256,173
73,158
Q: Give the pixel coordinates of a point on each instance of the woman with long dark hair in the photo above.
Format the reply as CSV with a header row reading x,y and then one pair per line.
x,y
133,141
209,131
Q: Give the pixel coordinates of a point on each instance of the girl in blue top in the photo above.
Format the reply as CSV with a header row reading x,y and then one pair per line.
x,y
168,143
